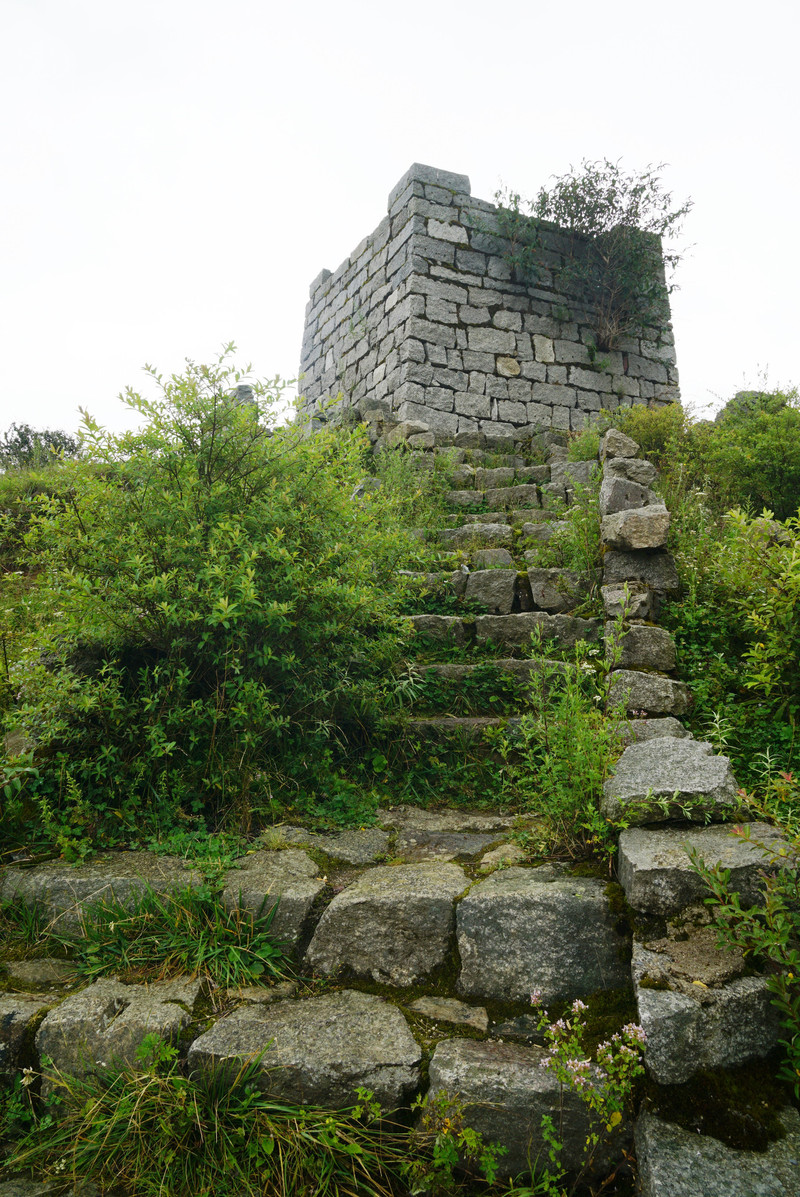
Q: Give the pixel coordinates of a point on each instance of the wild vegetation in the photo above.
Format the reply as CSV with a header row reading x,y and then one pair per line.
x,y
204,631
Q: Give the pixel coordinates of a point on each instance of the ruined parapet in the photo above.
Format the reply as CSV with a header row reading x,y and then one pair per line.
x,y
425,323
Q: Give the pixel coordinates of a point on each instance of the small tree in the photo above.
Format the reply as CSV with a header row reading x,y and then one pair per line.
x,y
618,224
24,447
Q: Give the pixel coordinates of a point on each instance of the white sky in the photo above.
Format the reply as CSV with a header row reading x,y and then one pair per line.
x,y
175,172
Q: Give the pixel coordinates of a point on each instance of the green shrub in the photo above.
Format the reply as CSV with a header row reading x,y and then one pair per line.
x,y
220,613
617,223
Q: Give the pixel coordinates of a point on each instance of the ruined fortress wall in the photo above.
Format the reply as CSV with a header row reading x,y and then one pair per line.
x,y
425,322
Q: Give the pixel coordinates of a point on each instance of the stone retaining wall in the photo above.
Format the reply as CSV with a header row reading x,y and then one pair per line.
x,y
425,322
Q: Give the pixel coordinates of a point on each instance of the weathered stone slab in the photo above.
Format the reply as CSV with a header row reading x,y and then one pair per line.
x,y
288,877
444,629
640,647
355,847
415,845
526,929
656,872
648,692
639,528
666,779
557,590
489,536
17,1013
318,1051
620,494
44,973
107,1022
514,496
63,892
414,818
631,600
492,589
617,444
395,924
506,1092
656,570
502,857
489,558
698,1024
673,1162
639,730
635,470
452,1011
515,631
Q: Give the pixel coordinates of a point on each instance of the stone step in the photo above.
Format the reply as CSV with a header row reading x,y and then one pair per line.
x,y
521,671
460,728
666,779
507,632
655,868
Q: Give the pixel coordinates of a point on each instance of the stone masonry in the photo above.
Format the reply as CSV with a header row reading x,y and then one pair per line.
x,y
425,325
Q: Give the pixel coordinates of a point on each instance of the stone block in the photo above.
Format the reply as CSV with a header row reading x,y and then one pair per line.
x,y
485,536
492,340
673,1162
553,394
618,494
631,468
640,528
557,590
656,872
476,406
492,478
17,1014
656,570
444,629
648,692
515,631
506,1091
62,893
517,496
629,600
667,779
640,647
508,367
394,925
492,589
107,1022
695,1014
617,444
639,730
450,1010
289,878
526,929
317,1051
543,348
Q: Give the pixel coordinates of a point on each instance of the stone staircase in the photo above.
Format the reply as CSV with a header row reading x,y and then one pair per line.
x,y
419,941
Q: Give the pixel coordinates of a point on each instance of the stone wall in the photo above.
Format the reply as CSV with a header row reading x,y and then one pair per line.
x,y
424,323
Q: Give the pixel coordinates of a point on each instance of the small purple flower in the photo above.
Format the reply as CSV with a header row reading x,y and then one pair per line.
x,y
578,1005
536,997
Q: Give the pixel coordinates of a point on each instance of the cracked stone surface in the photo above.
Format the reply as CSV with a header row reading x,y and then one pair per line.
x,y
108,1020
666,779
395,924
288,877
354,847
674,1162
526,929
415,845
318,1051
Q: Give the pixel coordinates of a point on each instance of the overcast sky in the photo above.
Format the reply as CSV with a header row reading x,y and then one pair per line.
x,y
176,172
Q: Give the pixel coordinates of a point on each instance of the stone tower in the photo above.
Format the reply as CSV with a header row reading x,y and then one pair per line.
x,y
425,324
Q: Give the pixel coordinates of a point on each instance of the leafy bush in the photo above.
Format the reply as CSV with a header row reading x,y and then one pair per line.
x,y
617,223
220,611
155,1132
